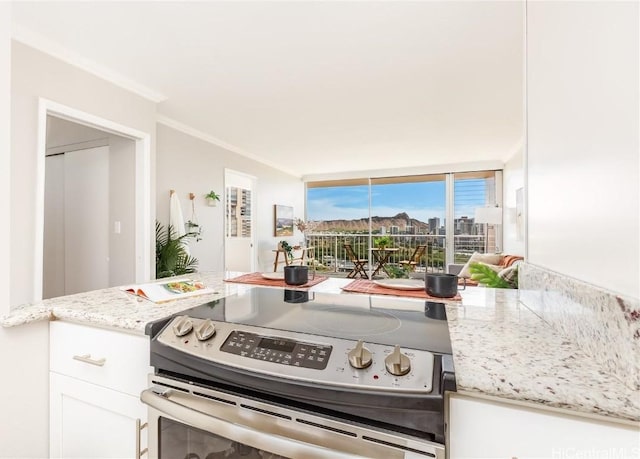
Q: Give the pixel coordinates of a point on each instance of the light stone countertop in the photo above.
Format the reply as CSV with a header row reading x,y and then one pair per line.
x,y
500,347
114,308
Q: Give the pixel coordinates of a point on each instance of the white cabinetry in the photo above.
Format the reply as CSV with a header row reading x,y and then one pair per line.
x,y
96,377
481,428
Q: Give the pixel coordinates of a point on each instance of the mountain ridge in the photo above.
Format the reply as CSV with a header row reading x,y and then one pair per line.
x,y
401,220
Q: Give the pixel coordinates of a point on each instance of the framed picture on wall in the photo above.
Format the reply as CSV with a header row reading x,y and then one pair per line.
x,y
283,220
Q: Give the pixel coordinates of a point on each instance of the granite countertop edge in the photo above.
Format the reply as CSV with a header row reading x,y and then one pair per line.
x,y
483,328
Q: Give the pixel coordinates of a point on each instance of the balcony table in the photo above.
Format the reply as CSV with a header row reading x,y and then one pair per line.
x,y
381,256
302,258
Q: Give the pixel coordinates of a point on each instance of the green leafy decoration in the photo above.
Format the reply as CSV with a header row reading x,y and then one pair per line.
x,y
172,258
383,241
287,249
396,272
487,276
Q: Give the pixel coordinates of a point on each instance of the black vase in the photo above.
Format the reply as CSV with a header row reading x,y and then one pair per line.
x,y
441,285
296,275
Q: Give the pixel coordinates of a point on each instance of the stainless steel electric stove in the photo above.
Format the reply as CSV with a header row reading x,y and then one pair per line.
x,y
341,374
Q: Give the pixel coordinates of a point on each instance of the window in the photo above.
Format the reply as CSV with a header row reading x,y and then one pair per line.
x,y
411,210
472,190
405,205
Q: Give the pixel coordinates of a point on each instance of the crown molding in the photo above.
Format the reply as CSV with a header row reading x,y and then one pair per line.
x,y
193,132
48,46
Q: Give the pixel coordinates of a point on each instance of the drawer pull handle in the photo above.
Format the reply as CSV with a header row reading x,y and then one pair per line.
x,y
87,359
139,427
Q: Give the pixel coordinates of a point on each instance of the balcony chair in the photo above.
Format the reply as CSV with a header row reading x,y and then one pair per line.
x,y
358,263
414,260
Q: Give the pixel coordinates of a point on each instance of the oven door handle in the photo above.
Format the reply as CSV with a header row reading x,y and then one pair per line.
x,y
238,432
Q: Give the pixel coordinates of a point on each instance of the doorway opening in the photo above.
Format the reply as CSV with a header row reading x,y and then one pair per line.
x,y
93,220
239,245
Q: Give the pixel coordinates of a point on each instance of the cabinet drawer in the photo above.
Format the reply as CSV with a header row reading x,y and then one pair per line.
x,y
108,358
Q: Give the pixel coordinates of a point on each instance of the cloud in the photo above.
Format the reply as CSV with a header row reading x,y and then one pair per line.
x,y
330,209
350,203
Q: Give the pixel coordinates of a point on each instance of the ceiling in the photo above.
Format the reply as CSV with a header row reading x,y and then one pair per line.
x,y
311,87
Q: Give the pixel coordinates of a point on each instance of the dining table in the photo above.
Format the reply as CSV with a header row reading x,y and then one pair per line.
x,y
381,257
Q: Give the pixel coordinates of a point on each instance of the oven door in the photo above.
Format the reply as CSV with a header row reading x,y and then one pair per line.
x,y
190,422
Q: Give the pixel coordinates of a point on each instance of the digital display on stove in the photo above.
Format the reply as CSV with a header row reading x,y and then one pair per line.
x,y
277,350
277,344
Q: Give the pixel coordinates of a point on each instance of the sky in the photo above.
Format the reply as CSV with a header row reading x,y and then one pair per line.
x,y
421,200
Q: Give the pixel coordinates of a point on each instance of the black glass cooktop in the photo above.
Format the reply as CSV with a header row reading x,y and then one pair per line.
x,y
410,323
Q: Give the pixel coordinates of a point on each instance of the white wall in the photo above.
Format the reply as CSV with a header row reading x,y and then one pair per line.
x,y
24,422
5,144
122,208
512,180
583,162
190,165
53,272
24,430
35,74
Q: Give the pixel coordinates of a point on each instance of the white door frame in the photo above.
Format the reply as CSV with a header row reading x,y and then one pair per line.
x,y
143,184
254,181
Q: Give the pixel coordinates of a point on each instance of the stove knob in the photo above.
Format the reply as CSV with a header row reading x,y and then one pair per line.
x,y
360,356
205,330
183,326
397,363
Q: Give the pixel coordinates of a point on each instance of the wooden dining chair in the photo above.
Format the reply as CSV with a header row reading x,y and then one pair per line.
x,y
414,260
358,263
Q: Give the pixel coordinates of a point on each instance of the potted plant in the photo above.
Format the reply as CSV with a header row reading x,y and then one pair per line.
x,y
212,197
382,242
288,250
172,259
396,272
484,275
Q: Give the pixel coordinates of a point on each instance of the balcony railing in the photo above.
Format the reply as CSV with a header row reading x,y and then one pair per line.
x,y
331,256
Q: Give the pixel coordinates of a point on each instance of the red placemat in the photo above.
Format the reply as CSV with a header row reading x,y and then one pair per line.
x,y
367,286
257,279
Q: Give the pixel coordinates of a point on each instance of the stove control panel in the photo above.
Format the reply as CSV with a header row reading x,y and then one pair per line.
x,y
320,360
277,350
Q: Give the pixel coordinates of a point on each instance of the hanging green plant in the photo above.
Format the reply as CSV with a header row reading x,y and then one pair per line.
x,y
192,226
212,197
194,230
284,245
